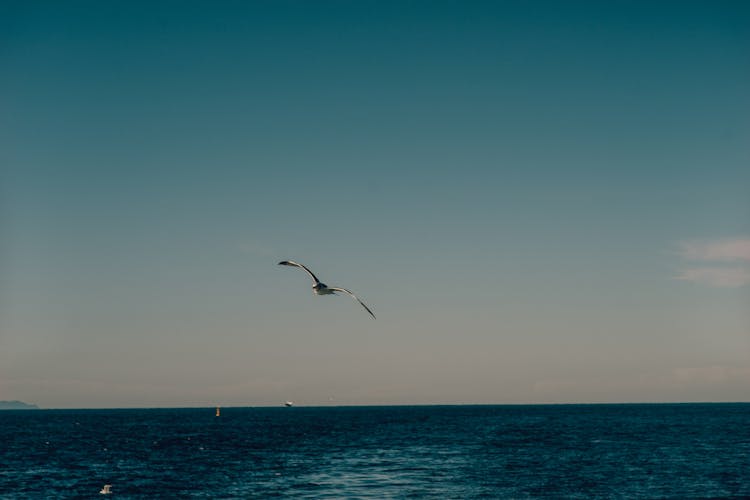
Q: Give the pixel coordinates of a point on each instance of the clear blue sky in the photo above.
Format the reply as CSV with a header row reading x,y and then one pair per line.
x,y
541,202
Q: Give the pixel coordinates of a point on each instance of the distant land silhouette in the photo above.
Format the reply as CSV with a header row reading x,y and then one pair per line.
x,y
17,405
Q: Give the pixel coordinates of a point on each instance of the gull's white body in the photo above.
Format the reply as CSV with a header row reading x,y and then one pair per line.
x,y
320,288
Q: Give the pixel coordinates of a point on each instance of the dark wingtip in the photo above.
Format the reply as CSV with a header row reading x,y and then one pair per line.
x,y
284,263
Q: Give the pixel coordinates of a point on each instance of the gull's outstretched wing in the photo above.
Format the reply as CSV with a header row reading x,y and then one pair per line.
x,y
354,296
294,264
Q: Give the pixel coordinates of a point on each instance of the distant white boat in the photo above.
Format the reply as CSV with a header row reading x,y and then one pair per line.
x,y
107,490
288,404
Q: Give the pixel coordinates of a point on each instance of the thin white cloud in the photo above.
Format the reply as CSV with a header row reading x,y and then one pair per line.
x,y
719,277
727,250
715,382
716,255
710,375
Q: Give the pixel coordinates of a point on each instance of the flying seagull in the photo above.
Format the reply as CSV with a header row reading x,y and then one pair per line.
x,y
320,288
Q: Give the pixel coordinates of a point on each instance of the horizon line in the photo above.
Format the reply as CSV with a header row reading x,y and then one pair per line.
x,y
380,405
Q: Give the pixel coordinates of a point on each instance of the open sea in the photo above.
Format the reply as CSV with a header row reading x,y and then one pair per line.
x,y
557,451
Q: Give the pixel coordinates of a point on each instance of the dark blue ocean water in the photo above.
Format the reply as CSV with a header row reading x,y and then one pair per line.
x,y
576,451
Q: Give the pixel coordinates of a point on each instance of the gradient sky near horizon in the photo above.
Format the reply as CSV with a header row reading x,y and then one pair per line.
x,y
541,201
